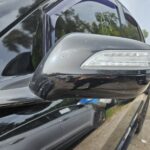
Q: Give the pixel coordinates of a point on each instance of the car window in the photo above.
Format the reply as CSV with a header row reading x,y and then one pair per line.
x,y
21,43
90,16
131,30
9,11
21,47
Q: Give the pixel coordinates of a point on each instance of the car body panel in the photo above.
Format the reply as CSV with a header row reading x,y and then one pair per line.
x,y
44,134
72,124
23,44
14,91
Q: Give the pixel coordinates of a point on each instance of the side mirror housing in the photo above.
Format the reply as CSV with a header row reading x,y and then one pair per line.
x,y
96,66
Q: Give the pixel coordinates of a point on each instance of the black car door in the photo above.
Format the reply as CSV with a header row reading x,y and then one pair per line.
x,y
75,119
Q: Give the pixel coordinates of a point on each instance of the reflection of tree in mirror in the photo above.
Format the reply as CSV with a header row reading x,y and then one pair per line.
x,y
106,23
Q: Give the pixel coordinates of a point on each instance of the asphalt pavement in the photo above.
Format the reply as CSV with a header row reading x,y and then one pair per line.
x,y
142,140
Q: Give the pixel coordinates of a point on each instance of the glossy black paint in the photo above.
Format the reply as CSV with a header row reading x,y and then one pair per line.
x,y
17,116
25,39
60,74
25,125
14,92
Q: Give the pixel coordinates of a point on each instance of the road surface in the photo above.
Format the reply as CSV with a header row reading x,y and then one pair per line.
x,y
142,140
108,135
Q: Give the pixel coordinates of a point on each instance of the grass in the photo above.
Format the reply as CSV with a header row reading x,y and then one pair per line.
x,y
111,111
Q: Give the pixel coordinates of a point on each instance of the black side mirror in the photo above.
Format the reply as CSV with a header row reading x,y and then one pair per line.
x,y
89,65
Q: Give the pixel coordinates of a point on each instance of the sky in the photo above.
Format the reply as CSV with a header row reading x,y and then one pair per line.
x,y
140,10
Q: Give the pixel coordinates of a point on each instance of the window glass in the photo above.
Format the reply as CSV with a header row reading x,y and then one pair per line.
x,y
9,10
131,29
90,17
21,47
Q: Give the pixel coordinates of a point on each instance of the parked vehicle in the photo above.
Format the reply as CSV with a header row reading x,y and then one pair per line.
x,y
39,64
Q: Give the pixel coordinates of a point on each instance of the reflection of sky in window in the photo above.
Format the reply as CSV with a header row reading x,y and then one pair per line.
x,y
88,10
140,11
4,22
9,10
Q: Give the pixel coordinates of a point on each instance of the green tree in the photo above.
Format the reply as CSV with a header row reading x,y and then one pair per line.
x,y
145,33
105,23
